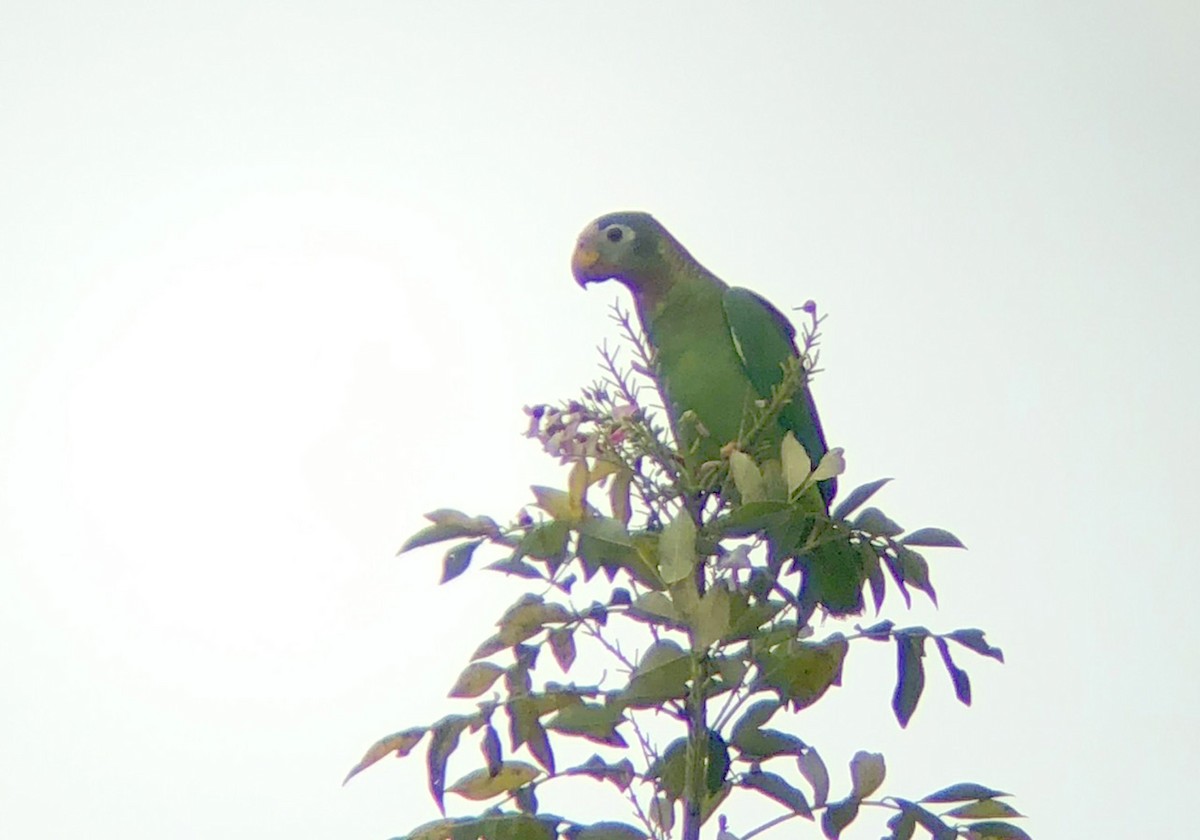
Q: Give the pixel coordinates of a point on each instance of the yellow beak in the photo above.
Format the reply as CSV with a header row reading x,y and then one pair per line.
x,y
581,261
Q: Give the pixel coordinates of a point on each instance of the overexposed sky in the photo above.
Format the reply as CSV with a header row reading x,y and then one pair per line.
x,y
275,279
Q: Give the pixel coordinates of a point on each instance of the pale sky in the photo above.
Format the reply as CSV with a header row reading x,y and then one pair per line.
x,y
275,279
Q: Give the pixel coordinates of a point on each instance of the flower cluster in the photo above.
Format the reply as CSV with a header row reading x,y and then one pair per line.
x,y
580,429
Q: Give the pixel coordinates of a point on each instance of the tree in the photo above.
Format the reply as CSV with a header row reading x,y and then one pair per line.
x,y
710,574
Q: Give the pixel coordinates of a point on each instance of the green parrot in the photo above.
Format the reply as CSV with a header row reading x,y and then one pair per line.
x,y
717,348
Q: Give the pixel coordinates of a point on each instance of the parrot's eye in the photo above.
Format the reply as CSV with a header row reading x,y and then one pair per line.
x,y
614,234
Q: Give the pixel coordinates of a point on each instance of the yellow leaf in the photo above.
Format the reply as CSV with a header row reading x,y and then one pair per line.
x,y
479,785
832,464
555,502
577,484
618,496
746,477
602,470
796,464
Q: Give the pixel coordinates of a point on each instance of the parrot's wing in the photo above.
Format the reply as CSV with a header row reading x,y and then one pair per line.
x,y
765,341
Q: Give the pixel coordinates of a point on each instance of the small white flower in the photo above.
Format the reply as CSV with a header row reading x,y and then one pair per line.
x,y
734,560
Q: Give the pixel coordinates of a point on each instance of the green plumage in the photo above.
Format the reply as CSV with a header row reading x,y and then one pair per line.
x,y
718,349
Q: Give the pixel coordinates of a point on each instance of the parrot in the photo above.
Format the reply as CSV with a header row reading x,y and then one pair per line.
x,y
716,348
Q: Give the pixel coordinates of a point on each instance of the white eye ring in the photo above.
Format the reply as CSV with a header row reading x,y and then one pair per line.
x,y
618,233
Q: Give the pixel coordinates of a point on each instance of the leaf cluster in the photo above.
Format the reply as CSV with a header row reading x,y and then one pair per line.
x,y
724,573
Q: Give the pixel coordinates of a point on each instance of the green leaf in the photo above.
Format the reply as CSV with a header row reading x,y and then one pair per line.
x,y
773,484
837,816
710,621
985,809
813,769
857,496
489,646
671,768
607,831
517,679
620,774
480,784
662,675
776,787
607,530
677,548
475,679
443,740
745,618
526,800
656,608
801,672
400,743
491,749
747,477
880,631
930,822
964,792
662,812
593,721
713,802
874,521
761,744
458,559
933,537
973,640
557,697
903,826
525,728
871,566
746,520
494,826
915,571
547,541
435,830
996,831
562,645
731,670
612,557
867,771
528,616
754,718
910,673
514,565
448,525
962,683
685,596
893,567
833,577
794,533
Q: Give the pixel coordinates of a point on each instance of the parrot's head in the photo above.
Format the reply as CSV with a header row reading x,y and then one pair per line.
x,y
627,246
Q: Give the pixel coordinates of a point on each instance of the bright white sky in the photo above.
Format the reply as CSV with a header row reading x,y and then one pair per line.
x,y
275,279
